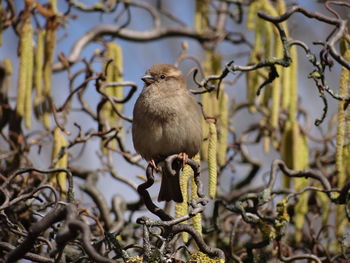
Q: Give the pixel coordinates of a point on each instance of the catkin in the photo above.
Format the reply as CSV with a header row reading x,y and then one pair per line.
x,y
255,74
251,17
59,160
287,74
29,81
49,53
212,164
300,161
50,45
205,130
201,15
224,122
323,200
278,53
8,72
119,75
262,49
268,41
342,150
113,74
276,87
252,79
26,43
38,72
197,219
293,88
294,151
211,107
181,209
340,137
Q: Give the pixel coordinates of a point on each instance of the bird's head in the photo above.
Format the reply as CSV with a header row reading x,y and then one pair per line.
x,y
161,73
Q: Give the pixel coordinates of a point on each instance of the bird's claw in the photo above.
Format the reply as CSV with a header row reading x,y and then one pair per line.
x,y
184,158
152,163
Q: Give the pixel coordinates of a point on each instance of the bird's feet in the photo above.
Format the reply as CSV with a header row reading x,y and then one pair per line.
x,y
152,163
184,158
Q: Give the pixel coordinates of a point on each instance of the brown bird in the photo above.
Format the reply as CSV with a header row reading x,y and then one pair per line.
x,y
166,121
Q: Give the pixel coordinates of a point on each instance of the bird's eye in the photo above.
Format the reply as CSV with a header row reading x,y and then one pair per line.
x,y
162,76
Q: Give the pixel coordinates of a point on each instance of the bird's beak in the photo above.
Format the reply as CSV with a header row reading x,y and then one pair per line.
x,y
148,79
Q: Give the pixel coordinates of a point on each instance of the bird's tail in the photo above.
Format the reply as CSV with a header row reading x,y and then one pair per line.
x,y
170,187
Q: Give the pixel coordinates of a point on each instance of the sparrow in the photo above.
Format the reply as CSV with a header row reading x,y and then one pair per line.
x,y
166,121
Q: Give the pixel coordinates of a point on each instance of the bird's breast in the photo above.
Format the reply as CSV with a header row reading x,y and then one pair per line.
x,y
166,124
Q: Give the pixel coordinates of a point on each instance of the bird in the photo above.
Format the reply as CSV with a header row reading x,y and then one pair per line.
x,y
166,121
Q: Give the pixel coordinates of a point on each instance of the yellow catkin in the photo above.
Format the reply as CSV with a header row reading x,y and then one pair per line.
x,y
300,161
50,45
323,199
197,219
107,110
119,75
205,128
252,78
212,163
286,73
262,50
267,6
29,83
343,46
38,73
256,57
293,84
56,147
276,87
346,158
60,161
341,149
294,151
181,209
206,100
281,9
114,74
340,137
63,163
212,65
287,77
201,16
286,144
25,45
251,18
267,31
224,122
278,53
